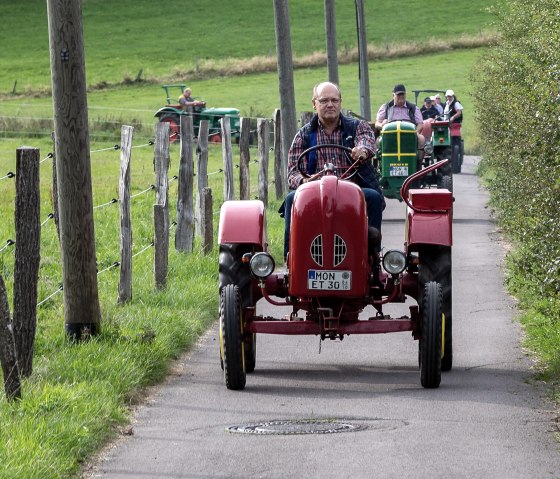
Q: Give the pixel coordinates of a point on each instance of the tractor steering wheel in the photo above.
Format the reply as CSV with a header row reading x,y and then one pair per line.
x,y
328,169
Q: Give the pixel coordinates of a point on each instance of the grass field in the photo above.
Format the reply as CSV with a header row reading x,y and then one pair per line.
x,y
79,395
120,38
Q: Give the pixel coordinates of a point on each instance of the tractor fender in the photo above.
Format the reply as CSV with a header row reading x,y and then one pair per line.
x,y
168,109
431,220
242,222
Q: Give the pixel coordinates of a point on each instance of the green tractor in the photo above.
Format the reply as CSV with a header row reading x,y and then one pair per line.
x,y
442,135
171,113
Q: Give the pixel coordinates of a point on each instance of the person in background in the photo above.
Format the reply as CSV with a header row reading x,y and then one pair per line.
x,y
437,103
330,126
401,109
454,111
428,109
185,99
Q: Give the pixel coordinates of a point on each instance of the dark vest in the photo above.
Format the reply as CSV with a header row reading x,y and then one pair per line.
x,y
452,112
411,110
366,176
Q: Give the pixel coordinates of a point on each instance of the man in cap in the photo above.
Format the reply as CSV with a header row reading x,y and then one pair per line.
x,y
428,109
401,109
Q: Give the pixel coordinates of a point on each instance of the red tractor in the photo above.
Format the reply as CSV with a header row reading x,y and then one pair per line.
x,y
334,272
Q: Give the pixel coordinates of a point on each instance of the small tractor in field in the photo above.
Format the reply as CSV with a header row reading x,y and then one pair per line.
x,y
335,269
171,113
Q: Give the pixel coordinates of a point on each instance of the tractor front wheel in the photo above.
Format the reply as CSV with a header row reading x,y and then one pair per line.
x,y
435,265
231,338
431,339
456,159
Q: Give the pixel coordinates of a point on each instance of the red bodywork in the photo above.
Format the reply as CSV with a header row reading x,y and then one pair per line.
x,y
335,211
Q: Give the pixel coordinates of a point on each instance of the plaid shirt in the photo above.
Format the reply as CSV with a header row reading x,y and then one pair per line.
x,y
365,138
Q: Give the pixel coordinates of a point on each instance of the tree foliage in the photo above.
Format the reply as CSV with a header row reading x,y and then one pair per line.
x,y
517,98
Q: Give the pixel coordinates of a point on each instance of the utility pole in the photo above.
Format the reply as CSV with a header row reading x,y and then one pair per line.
x,y
365,103
285,78
330,33
77,238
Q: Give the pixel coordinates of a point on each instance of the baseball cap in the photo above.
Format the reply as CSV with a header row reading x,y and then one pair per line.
x,y
449,93
428,98
433,98
437,96
399,89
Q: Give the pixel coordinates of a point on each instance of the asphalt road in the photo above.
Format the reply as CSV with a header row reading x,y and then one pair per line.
x,y
488,419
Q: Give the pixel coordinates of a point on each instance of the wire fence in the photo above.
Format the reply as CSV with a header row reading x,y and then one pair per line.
x,y
111,265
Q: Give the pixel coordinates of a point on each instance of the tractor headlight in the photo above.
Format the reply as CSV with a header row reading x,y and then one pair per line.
x,y
262,265
394,262
428,148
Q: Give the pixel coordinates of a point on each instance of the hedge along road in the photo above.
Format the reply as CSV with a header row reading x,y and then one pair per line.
x,y
487,419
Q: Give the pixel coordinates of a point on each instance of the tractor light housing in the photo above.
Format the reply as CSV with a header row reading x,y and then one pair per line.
x,y
428,148
394,262
262,265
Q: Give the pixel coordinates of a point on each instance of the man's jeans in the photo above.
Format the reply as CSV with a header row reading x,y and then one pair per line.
x,y
374,205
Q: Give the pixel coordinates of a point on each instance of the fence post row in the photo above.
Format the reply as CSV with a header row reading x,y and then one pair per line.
x,y
207,229
184,234
161,207
244,159
262,133
202,169
27,255
227,158
125,280
279,170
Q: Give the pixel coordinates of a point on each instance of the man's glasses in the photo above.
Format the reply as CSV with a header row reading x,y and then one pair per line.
x,y
324,101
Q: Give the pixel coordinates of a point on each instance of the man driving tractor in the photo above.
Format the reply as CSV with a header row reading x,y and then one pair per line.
x,y
330,127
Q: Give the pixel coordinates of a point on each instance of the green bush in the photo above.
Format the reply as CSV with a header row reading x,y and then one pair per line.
x,y
517,96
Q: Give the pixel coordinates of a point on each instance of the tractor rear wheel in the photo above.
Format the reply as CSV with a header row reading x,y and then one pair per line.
x,y
435,265
456,159
431,339
446,182
174,126
231,338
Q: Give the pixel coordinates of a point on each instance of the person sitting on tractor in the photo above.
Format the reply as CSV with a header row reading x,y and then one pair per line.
x,y
401,109
330,126
437,103
186,100
428,109
454,111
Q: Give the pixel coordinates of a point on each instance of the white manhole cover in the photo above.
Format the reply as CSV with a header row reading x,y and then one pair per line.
x,y
311,426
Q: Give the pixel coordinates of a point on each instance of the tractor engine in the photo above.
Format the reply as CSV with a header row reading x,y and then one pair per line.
x,y
329,240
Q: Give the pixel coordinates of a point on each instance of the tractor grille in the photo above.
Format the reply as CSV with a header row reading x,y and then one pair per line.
x,y
317,250
339,250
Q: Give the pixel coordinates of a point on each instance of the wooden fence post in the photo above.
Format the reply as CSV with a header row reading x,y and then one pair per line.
x,y
161,208
207,225
228,159
125,280
201,170
184,234
262,132
305,117
28,247
12,384
244,159
279,172
56,215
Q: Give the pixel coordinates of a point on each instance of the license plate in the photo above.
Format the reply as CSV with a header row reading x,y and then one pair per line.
x,y
329,280
398,171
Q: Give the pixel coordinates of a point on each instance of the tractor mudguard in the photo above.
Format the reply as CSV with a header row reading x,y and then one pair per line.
x,y
242,222
168,109
432,221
